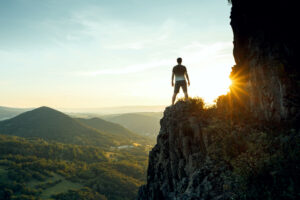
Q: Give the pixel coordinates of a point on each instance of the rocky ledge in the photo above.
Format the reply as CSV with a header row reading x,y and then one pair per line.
x,y
179,167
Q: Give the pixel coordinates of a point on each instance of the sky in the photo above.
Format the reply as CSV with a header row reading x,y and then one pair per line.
x,y
106,53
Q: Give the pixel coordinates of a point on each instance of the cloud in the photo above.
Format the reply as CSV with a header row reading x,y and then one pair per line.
x,y
139,36
198,53
127,70
119,34
192,54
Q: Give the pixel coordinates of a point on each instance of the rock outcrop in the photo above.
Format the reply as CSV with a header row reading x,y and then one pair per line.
x,y
266,42
179,167
199,155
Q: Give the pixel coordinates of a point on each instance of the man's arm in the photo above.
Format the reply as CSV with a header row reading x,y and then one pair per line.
x,y
172,79
187,77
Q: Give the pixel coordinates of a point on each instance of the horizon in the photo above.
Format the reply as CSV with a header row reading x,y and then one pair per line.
x,y
81,55
104,107
99,110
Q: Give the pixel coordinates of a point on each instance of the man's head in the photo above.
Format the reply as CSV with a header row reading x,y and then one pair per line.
x,y
179,60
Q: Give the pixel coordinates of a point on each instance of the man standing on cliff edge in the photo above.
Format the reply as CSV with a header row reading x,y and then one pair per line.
x,y
181,75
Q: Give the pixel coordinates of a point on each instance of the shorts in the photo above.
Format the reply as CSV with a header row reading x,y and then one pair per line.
x,y
179,84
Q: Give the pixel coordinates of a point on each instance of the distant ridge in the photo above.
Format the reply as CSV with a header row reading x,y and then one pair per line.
x,y
141,123
50,124
111,128
116,110
9,112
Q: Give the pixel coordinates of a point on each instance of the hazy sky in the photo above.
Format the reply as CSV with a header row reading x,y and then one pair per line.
x,y
99,53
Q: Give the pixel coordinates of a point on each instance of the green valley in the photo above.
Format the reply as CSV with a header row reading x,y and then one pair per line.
x,y
45,154
37,169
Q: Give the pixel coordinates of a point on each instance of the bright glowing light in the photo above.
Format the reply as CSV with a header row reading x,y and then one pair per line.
x,y
210,85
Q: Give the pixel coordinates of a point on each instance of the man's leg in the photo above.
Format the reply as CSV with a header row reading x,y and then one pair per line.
x,y
184,88
176,90
174,98
186,95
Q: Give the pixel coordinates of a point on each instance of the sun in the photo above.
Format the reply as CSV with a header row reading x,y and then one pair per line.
x,y
210,84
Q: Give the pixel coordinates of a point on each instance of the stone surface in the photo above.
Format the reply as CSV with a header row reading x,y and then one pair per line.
x,y
179,167
266,42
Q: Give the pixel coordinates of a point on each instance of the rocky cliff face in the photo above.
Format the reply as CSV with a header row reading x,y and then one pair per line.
x,y
179,167
266,42
199,155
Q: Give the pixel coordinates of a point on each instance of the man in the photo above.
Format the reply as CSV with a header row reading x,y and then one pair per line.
x,y
180,73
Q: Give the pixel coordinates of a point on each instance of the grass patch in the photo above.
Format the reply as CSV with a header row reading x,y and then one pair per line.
x,y
53,185
62,187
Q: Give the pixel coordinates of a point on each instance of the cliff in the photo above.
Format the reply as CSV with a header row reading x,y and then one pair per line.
x,y
266,42
179,167
248,146
200,155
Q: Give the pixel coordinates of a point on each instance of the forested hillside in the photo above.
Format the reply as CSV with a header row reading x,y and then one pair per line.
x,y
116,130
52,125
45,154
146,124
37,169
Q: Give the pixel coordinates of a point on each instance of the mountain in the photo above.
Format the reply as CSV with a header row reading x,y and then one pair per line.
x,y
105,126
141,123
113,129
7,112
157,115
50,124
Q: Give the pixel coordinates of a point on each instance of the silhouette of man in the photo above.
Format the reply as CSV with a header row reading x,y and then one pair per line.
x,y
181,75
